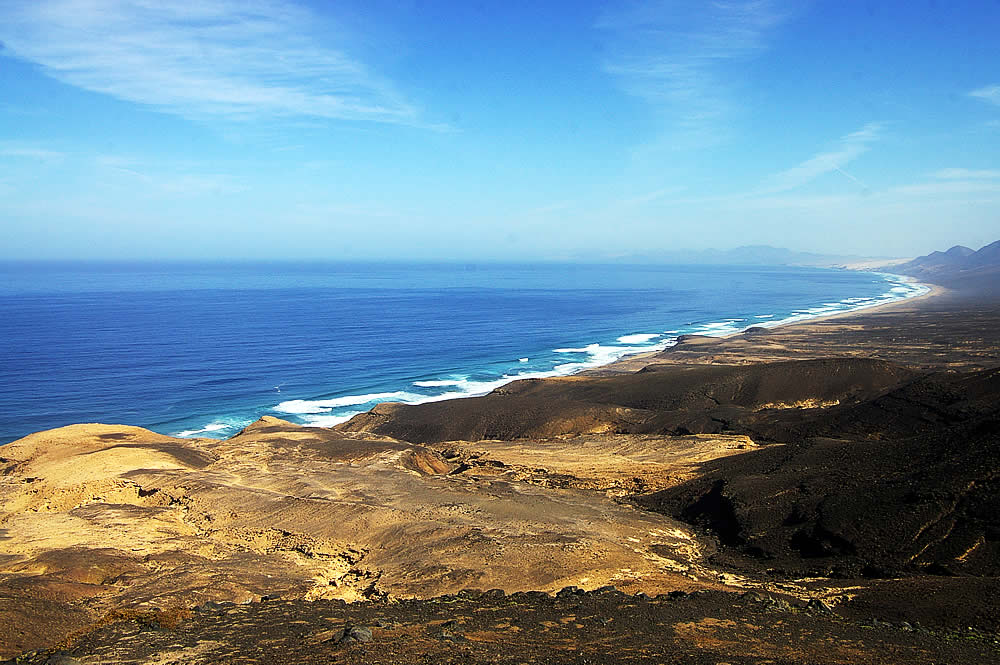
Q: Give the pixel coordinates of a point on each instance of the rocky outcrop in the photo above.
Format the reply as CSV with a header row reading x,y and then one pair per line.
x,y
906,483
602,626
668,399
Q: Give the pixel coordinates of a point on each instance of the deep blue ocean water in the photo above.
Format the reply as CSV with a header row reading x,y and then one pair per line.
x,y
203,350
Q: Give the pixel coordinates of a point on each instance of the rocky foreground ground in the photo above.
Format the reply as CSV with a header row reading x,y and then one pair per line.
x,y
601,626
821,493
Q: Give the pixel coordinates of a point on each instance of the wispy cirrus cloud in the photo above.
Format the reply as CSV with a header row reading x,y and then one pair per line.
x,y
950,187
557,206
989,93
34,153
353,209
849,148
162,177
967,174
243,59
953,182
649,197
675,54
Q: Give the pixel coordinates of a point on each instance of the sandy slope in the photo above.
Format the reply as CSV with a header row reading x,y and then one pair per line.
x,y
96,517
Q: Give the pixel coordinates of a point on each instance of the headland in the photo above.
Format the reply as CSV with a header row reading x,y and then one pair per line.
x,y
824,492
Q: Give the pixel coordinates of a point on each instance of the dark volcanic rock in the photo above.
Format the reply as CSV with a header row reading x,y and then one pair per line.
x,y
675,399
62,659
881,469
925,405
597,628
928,502
355,635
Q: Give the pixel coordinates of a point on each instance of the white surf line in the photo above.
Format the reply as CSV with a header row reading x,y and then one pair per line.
x,y
914,289
601,355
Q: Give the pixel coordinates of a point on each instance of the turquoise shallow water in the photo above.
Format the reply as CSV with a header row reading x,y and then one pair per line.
x,y
203,350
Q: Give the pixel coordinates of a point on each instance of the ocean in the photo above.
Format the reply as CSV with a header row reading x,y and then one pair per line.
x,y
205,349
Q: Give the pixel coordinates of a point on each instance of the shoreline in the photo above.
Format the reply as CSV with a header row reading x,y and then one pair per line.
x,y
628,362
934,291
630,359
635,362
579,365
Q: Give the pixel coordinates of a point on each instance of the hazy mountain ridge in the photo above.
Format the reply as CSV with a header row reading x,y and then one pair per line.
x,y
959,267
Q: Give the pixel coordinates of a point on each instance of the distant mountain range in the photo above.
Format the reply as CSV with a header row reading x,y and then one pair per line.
x,y
960,268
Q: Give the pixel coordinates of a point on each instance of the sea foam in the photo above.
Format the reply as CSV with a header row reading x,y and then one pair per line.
x,y
307,406
329,411
638,338
211,427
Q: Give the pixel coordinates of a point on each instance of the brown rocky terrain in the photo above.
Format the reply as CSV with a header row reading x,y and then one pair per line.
x,y
97,518
659,399
818,493
946,331
603,626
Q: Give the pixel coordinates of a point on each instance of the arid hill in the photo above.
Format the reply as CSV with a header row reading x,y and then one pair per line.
x,y
880,469
675,399
97,518
959,268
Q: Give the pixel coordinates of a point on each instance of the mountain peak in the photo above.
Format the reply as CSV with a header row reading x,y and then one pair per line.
x,y
959,267
960,251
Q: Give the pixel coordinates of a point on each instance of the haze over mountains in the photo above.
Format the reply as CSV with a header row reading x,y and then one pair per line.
x,y
959,268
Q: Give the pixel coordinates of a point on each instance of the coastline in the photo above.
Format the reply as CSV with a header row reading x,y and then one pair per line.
x,y
589,365
630,361
934,291
394,505
636,345
637,361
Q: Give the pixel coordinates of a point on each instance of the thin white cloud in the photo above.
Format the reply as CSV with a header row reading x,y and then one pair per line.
x,y
989,93
199,184
557,206
967,174
649,197
781,201
211,58
160,177
960,187
674,55
849,148
19,151
333,211
133,173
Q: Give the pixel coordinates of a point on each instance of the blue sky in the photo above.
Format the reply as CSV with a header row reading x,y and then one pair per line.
x,y
232,129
